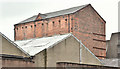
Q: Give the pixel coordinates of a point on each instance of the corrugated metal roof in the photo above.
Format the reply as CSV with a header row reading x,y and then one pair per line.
x,y
54,14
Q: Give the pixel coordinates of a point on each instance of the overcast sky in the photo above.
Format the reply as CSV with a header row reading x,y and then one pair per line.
x,y
14,11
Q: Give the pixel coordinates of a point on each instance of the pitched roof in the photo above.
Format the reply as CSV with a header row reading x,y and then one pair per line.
x,y
64,12
13,43
54,14
29,19
36,45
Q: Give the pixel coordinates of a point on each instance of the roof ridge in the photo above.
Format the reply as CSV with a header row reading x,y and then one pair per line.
x,y
54,13
66,9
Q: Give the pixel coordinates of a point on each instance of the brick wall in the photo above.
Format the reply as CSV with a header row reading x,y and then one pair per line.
x,y
85,24
24,31
16,63
40,28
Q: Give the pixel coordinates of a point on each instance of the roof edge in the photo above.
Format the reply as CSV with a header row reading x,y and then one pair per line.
x,y
70,34
52,12
86,48
97,13
13,43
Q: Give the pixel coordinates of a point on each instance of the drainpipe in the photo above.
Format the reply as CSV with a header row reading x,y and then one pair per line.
x,y
80,52
45,58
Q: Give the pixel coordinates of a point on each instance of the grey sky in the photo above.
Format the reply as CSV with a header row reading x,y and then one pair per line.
x,y
14,11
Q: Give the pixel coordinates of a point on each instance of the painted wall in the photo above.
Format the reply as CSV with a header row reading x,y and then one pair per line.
x,y
39,59
69,51
10,49
88,58
66,51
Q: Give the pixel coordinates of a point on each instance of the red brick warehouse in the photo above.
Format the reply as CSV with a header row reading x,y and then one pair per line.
x,y
83,21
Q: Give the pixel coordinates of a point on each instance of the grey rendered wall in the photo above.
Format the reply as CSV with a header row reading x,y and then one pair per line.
x,y
39,59
69,51
0,51
112,46
87,57
9,48
65,51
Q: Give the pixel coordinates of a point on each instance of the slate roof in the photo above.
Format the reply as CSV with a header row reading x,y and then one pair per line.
x,y
54,14
29,19
114,62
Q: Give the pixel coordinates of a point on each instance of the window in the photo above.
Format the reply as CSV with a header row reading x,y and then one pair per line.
x,y
59,21
47,25
53,23
35,25
42,24
71,18
65,19
25,26
42,27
